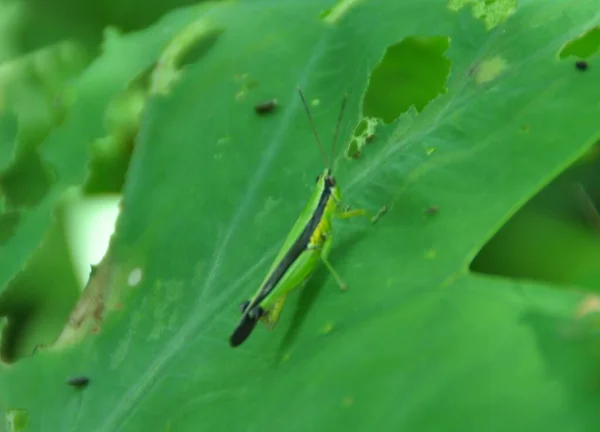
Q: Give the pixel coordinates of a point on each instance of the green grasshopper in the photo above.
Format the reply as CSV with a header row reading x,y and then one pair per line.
x,y
308,242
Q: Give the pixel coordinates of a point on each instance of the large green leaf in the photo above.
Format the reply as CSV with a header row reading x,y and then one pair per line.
x,y
418,343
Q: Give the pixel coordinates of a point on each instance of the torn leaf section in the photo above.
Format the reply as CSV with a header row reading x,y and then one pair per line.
x,y
66,150
88,313
584,46
187,47
365,133
111,154
89,225
411,73
491,12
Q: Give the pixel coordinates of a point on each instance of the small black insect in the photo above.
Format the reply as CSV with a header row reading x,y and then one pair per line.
x,y
370,138
582,65
266,106
78,382
434,209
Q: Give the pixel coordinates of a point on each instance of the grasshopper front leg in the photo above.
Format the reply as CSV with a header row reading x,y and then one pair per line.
x,y
348,213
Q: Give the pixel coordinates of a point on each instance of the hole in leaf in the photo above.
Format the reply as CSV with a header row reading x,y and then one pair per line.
x,y
200,47
411,73
491,12
111,154
188,46
364,133
108,166
555,237
584,46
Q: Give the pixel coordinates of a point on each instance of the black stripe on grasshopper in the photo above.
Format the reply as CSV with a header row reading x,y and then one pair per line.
x,y
252,312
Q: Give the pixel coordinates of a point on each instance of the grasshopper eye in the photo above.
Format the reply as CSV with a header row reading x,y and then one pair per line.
x,y
244,306
257,312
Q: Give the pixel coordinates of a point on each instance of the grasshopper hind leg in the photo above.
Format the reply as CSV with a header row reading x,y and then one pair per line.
x,y
270,318
338,279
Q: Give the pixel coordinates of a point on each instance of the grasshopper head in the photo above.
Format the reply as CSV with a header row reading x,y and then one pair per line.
x,y
327,180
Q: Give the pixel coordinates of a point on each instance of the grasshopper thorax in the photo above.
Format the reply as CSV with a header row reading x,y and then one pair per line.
x,y
327,179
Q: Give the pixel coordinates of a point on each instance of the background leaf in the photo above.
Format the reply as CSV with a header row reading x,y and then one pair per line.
x,y
8,129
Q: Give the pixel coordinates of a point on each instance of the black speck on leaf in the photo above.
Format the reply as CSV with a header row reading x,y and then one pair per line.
x,y
434,209
581,65
266,106
78,382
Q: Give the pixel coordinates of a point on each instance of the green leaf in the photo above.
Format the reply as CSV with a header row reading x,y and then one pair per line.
x,y
8,138
418,343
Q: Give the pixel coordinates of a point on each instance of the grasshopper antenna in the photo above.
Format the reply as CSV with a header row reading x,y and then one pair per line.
x,y
312,125
338,124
